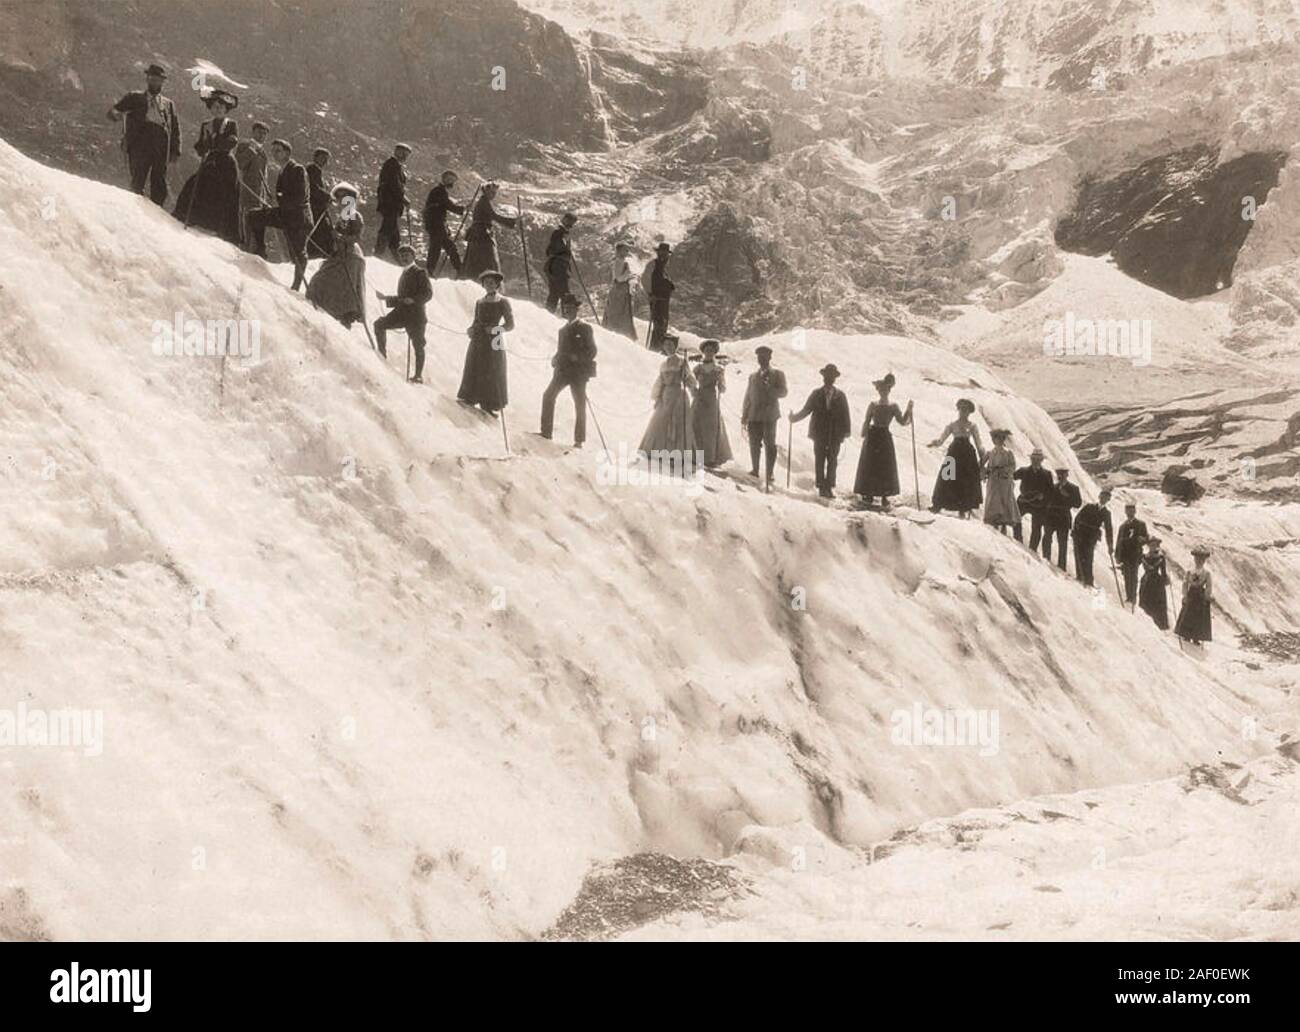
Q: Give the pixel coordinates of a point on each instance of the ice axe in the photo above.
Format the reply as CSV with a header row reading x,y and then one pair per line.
x,y
463,216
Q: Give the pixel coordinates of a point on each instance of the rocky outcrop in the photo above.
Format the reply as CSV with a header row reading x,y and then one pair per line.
x,y
1175,222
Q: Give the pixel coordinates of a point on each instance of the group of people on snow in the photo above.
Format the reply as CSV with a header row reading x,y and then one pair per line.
x,y
229,196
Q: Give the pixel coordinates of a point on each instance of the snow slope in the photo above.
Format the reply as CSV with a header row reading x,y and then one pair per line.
x,y
363,675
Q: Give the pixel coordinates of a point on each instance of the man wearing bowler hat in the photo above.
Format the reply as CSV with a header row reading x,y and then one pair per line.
x,y
830,425
760,411
660,290
153,135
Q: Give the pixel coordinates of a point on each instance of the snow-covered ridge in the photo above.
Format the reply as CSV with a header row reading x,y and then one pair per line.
x,y
363,675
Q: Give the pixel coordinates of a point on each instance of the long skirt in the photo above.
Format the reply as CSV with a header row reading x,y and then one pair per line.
x,y
483,382
1151,597
1194,619
1001,509
618,311
877,465
339,286
210,198
709,430
480,254
957,486
669,429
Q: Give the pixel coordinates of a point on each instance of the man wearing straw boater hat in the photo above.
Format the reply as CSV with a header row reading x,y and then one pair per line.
x,y
1035,487
830,425
152,137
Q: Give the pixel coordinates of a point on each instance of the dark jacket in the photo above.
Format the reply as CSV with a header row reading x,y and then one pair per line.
x,y
575,351
414,285
660,285
830,422
292,190
1035,487
1060,501
1131,540
392,187
319,196
222,138
436,206
558,253
134,105
1091,520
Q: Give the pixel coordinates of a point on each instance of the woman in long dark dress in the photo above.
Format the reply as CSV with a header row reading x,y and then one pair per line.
x,y
480,246
1194,617
877,464
339,284
483,382
1151,588
957,486
210,198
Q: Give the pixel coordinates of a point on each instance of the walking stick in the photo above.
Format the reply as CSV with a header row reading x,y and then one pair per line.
x,y
1118,593
504,436
789,443
916,480
595,314
410,233
463,216
312,234
601,433
198,181
523,245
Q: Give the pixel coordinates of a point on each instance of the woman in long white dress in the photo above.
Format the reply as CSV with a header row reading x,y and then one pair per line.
x,y
1000,508
706,412
669,430
618,305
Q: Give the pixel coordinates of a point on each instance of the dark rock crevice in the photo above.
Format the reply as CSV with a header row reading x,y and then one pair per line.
x,y
1175,222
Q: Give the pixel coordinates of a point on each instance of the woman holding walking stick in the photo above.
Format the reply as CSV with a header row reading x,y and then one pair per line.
x,y
877,475
339,285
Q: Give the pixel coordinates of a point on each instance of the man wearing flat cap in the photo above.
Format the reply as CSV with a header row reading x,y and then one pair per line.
x,y
559,259
830,425
1064,498
761,410
391,201
152,138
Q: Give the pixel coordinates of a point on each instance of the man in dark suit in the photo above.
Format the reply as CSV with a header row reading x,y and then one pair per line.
x,y
830,425
322,240
153,134
1129,542
1035,486
660,292
1093,518
574,364
559,260
761,410
1063,498
392,200
292,214
413,293
436,206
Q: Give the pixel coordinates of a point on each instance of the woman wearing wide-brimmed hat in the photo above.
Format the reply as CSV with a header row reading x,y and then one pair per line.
x,y
210,198
706,411
1151,588
877,475
618,305
339,285
1000,508
670,432
1194,617
957,486
483,382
